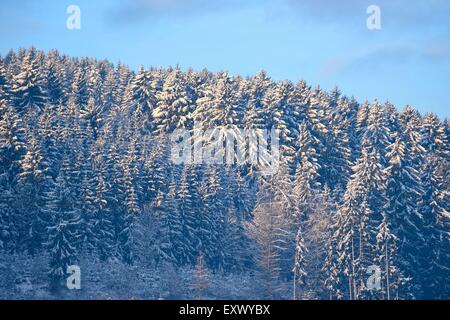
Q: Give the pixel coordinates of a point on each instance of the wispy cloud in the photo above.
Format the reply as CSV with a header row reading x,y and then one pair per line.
x,y
402,55
437,50
398,13
132,11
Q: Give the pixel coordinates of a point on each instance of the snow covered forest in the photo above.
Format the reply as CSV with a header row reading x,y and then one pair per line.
x,y
86,179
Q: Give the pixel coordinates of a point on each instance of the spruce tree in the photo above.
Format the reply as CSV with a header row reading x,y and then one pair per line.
x,y
299,264
28,90
174,106
62,231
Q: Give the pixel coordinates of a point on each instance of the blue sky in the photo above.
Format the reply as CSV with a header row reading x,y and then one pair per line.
x,y
325,42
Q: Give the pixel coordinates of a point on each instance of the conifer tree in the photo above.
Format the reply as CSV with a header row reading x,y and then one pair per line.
x,y
28,90
201,281
55,80
5,85
30,199
102,225
174,104
62,231
169,234
299,264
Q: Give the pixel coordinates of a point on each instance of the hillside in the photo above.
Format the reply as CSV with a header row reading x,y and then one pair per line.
x,y
296,192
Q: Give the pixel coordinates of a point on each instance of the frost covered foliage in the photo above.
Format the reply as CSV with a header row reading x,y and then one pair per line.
x,y
26,277
86,179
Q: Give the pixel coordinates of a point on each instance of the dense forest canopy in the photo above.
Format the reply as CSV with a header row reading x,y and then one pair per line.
x,y
85,174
